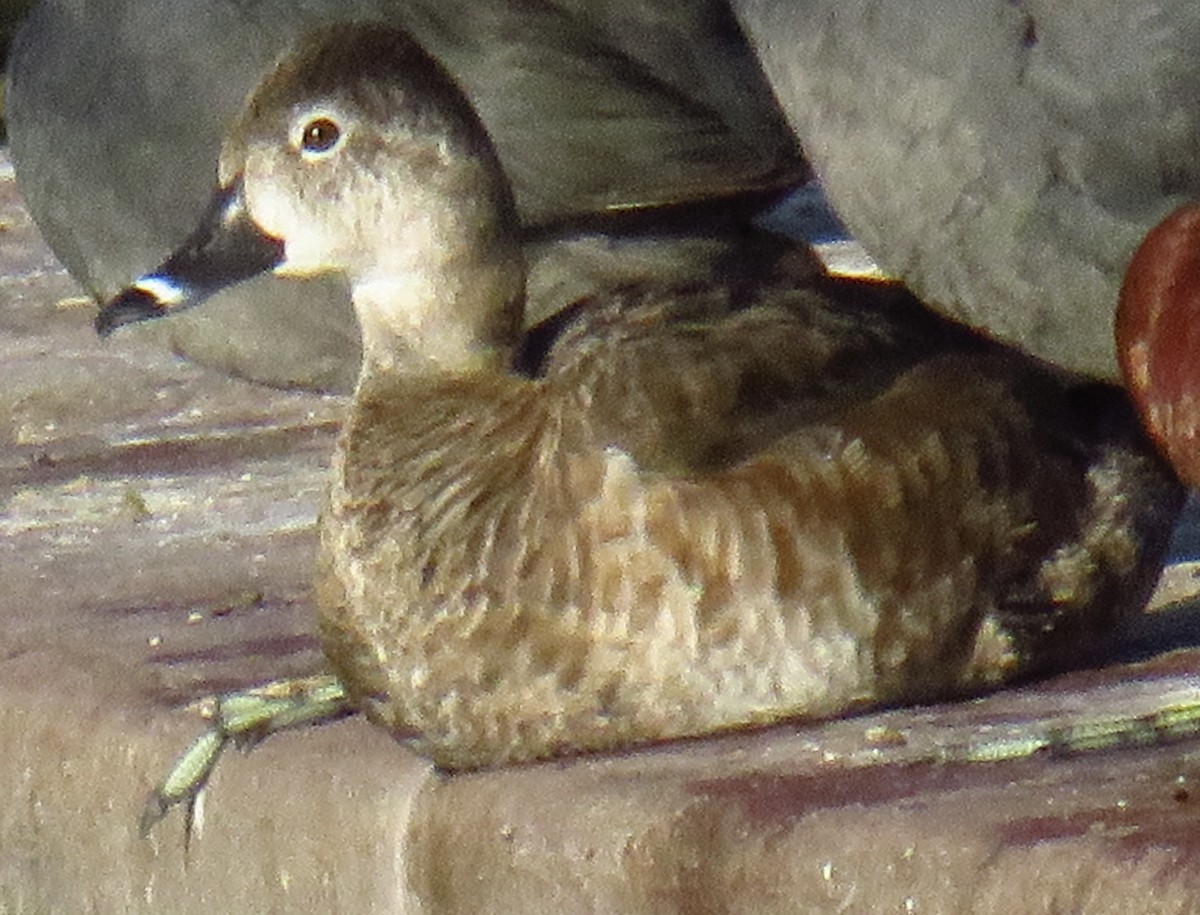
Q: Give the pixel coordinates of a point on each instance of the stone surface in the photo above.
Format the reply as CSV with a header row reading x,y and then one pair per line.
x,y
156,529
1003,158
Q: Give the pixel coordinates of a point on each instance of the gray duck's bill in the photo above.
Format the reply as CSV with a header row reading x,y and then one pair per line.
x,y
226,248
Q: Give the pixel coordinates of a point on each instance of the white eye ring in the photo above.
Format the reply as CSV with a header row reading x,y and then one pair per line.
x,y
320,137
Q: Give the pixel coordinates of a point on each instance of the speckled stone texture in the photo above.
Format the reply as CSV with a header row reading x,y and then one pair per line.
x,y
156,531
1003,158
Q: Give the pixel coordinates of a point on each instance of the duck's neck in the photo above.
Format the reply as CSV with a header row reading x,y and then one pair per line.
x,y
421,347
454,309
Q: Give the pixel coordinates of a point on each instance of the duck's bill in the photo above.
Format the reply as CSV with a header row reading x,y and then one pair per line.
x,y
225,249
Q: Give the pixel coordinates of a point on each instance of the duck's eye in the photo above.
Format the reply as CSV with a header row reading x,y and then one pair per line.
x,y
320,136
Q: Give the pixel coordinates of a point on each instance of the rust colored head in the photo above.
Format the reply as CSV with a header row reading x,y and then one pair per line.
x,y
1158,337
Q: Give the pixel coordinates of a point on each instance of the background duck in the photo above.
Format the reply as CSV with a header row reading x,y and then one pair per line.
x,y
677,508
595,107
1003,158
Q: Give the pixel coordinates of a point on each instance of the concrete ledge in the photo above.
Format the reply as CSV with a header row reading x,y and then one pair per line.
x,y
156,531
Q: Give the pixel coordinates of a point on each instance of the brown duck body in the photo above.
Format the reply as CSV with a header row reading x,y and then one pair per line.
x,y
707,513
687,508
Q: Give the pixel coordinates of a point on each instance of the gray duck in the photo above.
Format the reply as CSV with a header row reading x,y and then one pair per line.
x,y
598,108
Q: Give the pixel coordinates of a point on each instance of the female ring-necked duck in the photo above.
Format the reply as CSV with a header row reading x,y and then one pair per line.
x,y
678,509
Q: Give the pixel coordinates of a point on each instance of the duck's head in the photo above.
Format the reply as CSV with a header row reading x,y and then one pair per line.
x,y
359,154
1158,337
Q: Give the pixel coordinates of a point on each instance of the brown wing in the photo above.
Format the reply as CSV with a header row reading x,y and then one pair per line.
x,y
990,505
693,379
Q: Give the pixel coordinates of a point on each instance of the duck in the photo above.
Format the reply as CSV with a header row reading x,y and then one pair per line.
x,y
600,111
672,509
1002,158
1156,334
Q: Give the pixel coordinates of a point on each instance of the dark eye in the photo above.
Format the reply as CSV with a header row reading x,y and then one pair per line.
x,y
320,135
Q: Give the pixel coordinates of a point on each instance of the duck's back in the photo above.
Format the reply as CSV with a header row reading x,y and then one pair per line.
x,y
716,507
690,380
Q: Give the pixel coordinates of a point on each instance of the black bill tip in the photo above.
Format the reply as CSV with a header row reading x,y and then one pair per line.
x,y
134,304
226,248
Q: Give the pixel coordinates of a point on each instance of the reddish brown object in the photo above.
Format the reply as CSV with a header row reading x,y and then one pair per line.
x,y
1158,336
